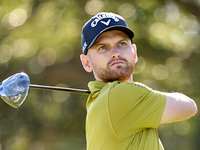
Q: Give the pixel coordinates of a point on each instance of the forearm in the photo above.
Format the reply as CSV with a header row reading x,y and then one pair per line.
x,y
178,107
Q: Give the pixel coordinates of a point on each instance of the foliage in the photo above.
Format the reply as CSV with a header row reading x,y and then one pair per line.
x,y
42,38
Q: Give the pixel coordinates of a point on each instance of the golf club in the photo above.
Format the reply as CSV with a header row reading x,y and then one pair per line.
x,y
14,89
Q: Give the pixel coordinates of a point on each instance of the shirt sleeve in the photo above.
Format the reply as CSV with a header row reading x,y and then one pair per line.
x,y
134,107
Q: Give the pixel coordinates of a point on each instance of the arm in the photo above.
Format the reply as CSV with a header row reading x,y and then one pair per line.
x,y
178,107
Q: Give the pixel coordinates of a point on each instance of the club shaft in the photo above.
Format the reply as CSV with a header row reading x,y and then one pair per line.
x,y
72,90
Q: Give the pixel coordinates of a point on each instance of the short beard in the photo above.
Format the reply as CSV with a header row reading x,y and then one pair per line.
x,y
121,73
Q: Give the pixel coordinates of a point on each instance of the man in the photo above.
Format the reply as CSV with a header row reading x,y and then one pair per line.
x,y
122,114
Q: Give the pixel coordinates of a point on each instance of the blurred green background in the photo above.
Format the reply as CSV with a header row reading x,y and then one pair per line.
x,y
42,39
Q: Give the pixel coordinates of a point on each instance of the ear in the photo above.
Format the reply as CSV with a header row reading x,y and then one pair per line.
x,y
86,62
135,53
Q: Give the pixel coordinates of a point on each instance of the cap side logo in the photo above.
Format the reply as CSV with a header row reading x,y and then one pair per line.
x,y
84,46
106,23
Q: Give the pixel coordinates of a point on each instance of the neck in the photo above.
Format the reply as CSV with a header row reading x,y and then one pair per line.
x,y
130,79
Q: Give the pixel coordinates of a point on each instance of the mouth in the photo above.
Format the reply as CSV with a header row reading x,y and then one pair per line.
x,y
117,63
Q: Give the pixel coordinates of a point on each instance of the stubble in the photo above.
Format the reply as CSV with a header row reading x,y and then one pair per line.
x,y
116,73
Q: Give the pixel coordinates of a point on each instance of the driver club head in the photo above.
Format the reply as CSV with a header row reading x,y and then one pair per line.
x,y
14,89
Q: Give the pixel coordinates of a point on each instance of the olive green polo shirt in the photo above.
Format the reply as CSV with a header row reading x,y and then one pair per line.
x,y
123,116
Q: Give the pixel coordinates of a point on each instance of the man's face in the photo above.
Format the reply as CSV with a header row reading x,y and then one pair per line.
x,y
112,57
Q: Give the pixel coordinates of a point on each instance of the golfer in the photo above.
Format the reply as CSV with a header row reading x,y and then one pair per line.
x,y
123,114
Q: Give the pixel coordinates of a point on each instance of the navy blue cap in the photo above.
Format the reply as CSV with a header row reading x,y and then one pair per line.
x,y
100,23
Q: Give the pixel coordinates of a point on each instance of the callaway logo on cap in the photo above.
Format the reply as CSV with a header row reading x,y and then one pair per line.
x,y
100,23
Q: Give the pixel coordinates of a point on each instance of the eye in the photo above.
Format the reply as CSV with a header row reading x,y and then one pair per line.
x,y
122,44
103,48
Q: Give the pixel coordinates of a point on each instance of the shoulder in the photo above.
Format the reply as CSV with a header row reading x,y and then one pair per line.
x,y
128,87
133,92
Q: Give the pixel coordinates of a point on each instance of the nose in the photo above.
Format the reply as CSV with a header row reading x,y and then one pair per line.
x,y
115,53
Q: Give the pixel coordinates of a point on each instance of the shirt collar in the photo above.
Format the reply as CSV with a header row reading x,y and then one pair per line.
x,y
96,86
